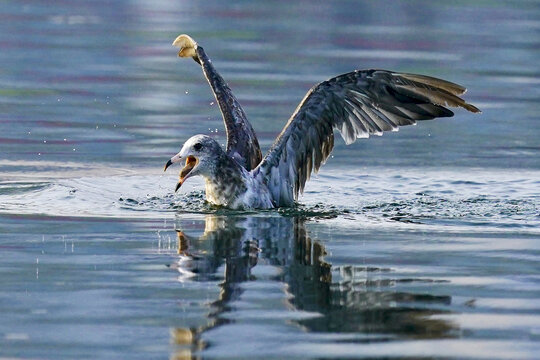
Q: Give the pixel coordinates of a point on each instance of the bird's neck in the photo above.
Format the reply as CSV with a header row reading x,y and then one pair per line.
x,y
226,182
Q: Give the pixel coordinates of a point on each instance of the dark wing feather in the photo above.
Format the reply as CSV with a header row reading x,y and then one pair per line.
x,y
242,143
357,104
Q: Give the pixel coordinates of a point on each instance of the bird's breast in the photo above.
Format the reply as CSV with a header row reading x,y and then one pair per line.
x,y
239,193
223,193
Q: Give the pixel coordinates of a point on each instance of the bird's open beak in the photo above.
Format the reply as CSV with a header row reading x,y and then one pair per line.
x,y
191,162
176,158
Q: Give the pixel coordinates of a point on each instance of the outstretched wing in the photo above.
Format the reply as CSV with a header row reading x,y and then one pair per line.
x,y
242,143
358,104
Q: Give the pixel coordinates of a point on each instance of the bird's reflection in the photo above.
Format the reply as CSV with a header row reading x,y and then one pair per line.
x,y
347,298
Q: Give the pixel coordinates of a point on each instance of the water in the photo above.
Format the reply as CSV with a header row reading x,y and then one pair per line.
x,y
419,244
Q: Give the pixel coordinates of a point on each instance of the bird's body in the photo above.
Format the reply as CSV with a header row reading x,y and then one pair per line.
x,y
233,186
357,104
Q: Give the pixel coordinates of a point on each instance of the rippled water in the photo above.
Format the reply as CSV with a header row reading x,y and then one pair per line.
x,y
419,244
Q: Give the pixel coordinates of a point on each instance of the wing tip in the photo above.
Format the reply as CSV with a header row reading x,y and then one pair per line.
x,y
186,44
451,87
471,108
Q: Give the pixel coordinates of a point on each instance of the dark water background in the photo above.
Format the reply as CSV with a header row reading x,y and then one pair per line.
x,y
419,244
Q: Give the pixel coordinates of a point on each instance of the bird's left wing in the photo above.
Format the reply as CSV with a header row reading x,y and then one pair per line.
x,y
242,143
357,104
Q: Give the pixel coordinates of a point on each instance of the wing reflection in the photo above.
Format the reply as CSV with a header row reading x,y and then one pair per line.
x,y
347,298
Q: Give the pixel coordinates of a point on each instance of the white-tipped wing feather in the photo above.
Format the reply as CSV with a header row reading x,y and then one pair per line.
x,y
357,104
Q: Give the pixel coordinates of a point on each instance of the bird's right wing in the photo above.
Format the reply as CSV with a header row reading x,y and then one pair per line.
x,y
242,143
357,104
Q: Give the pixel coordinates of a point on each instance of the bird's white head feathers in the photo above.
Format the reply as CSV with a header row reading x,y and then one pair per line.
x,y
201,154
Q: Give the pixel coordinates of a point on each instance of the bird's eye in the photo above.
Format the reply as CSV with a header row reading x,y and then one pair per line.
x,y
197,146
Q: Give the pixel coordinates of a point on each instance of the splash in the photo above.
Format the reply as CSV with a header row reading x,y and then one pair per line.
x,y
384,198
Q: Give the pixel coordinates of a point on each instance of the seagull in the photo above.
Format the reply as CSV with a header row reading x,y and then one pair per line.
x,y
356,104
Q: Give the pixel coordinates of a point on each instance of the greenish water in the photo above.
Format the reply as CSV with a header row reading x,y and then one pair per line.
x,y
419,244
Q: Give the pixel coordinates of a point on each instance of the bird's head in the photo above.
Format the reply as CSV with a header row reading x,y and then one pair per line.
x,y
200,154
